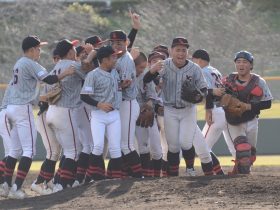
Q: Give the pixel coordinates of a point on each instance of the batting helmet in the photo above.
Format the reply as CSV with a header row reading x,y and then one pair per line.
x,y
244,54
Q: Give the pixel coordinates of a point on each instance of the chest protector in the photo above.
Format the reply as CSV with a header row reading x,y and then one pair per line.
x,y
250,93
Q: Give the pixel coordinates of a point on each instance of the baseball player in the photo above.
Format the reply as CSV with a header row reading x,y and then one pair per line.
x,y
215,116
101,90
129,109
159,106
5,131
180,116
43,185
148,138
255,96
64,116
23,94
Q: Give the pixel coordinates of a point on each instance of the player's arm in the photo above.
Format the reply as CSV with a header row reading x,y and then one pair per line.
x,y
153,72
135,22
52,79
87,64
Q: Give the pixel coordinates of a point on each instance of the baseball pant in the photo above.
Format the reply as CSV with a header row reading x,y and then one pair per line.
x,y
49,139
109,122
5,131
129,112
164,146
180,128
23,131
248,129
63,122
82,116
149,141
213,132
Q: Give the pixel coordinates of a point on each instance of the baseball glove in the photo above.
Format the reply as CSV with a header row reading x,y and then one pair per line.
x,y
53,94
232,105
146,116
190,93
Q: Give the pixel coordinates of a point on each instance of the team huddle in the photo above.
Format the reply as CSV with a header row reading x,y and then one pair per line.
x,y
106,99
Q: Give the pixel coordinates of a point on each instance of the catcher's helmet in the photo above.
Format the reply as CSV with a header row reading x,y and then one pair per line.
x,y
244,54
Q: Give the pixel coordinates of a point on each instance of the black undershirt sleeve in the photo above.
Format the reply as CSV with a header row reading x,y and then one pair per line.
x,y
256,107
87,99
150,77
131,36
50,79
209,100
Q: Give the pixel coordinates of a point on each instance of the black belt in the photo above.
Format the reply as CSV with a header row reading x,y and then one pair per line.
x,y
176,107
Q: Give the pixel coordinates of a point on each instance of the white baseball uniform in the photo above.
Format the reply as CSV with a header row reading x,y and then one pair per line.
x,y
148,138
213,132
63,117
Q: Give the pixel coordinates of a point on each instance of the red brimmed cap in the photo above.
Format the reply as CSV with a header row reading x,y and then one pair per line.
x,y
31,41
180,41
63,46
118,35
156,54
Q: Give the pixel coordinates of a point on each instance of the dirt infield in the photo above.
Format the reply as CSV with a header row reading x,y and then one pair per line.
x,y
257,191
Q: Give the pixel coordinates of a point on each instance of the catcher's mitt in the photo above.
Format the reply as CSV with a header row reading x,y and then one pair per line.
x,y
53,94
233,106
190,93
146,116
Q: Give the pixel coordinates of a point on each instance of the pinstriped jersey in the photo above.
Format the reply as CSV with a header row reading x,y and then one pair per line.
x,y
24,88
126,68
103,87
212,76
6,97
145,92
71,85
173,79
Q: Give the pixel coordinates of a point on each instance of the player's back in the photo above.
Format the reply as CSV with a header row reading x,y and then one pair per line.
x,y
71,85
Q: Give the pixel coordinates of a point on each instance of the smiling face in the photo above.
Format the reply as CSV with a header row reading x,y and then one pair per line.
x,y
179,55
119,45
243,67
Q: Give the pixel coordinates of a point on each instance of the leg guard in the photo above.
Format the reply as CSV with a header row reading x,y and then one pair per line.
x,y
243,154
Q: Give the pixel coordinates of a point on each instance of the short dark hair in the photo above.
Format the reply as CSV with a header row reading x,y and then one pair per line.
x,y
202,54
141,58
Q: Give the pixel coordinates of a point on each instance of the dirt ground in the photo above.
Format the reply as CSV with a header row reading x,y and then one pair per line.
x,y
257,191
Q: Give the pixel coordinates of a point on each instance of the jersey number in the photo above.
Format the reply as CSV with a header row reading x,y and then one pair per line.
x,y
15,80
57,72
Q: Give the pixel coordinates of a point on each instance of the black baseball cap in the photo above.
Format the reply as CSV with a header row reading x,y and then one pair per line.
x,y
105,52
118,35
94,40
180,41
31,41
162,49
156,54
63,46
202,54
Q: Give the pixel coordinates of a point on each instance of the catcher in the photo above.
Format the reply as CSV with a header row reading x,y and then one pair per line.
x,y
147,133
247,94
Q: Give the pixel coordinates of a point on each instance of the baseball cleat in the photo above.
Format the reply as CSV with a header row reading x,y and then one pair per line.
x,y
77,184
41,189
57,188
50,184
4,189
16,193
190,172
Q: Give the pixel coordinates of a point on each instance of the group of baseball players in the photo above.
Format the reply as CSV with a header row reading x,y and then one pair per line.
x,y
112,101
